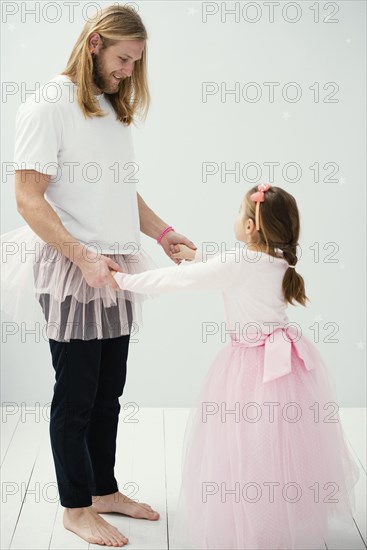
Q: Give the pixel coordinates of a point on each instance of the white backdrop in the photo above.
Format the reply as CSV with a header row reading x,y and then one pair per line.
x,y
281,83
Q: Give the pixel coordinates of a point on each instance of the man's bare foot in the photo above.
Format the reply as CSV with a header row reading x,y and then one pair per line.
x,y
87,524
117,502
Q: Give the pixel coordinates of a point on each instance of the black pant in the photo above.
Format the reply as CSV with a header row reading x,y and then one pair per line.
x,y
90,377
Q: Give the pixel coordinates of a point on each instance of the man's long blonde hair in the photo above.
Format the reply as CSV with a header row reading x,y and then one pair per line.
x,y
113,23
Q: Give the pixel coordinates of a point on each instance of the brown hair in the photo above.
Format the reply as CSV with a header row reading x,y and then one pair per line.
x,y
113,23
279,228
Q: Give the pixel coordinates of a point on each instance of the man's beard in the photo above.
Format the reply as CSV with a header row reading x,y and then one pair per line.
x,y
98,78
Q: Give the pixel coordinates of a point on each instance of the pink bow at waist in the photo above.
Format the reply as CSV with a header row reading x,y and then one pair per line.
x,y
278,346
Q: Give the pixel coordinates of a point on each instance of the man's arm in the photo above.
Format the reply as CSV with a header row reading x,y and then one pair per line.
x,y
30,187
152,226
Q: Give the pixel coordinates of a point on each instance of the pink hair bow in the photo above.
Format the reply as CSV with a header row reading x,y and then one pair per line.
x,y
259,196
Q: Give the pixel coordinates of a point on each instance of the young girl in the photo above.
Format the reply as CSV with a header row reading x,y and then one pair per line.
x,y
266,463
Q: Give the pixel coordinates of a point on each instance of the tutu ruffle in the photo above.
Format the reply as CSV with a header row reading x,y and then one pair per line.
x,y
265,465
41,285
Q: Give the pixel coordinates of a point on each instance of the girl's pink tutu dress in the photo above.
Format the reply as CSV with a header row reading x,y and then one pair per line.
x,y
266,463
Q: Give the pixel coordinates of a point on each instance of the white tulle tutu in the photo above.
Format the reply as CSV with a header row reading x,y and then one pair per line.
x,y
41,285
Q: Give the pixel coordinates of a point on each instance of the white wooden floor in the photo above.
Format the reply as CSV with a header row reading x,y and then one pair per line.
x,y
148,469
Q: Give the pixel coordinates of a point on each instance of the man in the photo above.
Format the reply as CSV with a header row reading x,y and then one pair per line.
x,y
102,90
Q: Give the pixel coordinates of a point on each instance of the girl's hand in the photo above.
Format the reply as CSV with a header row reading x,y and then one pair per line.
x,y
171,243
112,271
98,271
185,253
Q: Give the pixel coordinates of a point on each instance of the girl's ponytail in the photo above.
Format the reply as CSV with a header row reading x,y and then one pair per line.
x,y
293,284
277,220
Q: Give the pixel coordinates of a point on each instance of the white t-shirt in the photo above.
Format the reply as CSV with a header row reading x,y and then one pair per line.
x,y
91,163
251,284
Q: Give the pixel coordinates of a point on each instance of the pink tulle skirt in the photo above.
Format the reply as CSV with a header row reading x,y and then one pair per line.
x,y
41,285
265,465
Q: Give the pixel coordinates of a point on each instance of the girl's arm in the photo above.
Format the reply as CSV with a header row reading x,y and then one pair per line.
x,y
188,254
222,271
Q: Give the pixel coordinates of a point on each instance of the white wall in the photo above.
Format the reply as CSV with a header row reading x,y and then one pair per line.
x,y
169,361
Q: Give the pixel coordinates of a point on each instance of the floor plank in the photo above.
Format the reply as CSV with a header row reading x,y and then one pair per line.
x,y
355,426
10,417
16,472
148,469
141,476
175,423
360,516
36,522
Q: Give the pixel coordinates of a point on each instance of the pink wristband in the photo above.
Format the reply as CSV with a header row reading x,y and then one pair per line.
x,y
169,228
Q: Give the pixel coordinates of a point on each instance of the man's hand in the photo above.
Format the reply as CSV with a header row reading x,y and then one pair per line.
x,y
171,241
152,226
98,269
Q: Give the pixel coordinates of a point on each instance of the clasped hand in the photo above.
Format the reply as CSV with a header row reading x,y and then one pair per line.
x,y
183,253
99,271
